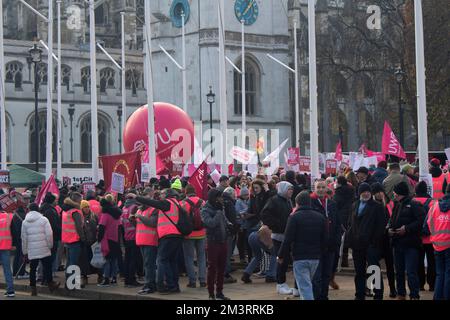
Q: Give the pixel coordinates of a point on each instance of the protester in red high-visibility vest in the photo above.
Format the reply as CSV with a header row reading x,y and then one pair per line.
x,y
440,181
5,251
439,225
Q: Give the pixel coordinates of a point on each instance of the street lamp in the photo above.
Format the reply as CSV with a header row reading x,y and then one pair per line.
x,y
71,111
35,56
400,78
119,116
211,98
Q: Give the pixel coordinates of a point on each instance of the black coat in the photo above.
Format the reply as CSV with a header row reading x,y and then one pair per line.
x,y
411,214
276,213
306,232
16,227
344,197
255,206
334,223
230,211
52,215
367,230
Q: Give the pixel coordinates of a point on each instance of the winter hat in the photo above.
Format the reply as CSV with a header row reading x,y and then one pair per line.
x,y
363,170
377,187
421,188
164,184
244,191
407,167
435,162
363,187
84,204
283,187
49,198
177,185
401,189
110,198
230,191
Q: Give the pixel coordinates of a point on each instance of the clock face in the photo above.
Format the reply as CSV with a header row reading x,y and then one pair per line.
x,y
246,10
178,7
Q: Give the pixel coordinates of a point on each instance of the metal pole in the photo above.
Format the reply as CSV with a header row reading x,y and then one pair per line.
x,y
297,88
36,116
421,91
314,130
400,114
183,36
124,91
243,94
94,120
151,113
223,85
59,137
2,95
50,76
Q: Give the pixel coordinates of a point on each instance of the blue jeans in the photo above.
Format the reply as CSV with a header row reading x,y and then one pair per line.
x,y
73,254
196,247
304,271
322,277
111,268
149,254
168,251
407,259
6,263
257,249
442,286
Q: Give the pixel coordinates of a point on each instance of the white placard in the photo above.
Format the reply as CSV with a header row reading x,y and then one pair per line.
x,y
215,175
117,182
242,155
145,173
447,153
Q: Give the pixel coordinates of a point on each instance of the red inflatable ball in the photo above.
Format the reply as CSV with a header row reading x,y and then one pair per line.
x,y
168,118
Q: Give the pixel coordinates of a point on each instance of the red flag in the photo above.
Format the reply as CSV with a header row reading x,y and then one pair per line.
x,y
199,181
230,169
390,143
49,186
338,154
126,164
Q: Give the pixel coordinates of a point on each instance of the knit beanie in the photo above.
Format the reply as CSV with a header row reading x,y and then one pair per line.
x,y
401,189
377,187
421,188
435,162
363,187
84,204
177,185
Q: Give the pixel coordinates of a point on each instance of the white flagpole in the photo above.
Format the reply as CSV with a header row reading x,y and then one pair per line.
x,y
50,76
421,91
297,109
243,95
59,142
2,94
151,114
124,91
94,120
223,86
183,71
314,127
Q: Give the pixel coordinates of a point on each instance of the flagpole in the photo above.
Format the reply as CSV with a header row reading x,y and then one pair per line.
x,y
314,130
124,91
149,71
2,95
183,71
421,91
58,139
222,85
297,108
243,94
94,120
49,133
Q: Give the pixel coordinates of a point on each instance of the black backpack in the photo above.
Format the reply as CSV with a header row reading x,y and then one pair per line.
x,y
195,215
184,225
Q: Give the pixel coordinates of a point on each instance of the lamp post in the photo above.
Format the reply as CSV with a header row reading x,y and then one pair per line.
x,y
119,116
211,98
400,77
71,111
35,56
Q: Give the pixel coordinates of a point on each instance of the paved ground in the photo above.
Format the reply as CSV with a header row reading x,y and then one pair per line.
x,y
258,290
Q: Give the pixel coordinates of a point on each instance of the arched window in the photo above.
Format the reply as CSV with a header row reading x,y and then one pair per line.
x,y
14,73
132,78
42,132
42,73
85,137
66,73
252,84
102,14
107,79
86,79
140,12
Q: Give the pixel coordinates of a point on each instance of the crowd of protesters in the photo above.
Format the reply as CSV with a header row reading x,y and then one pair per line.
x,y
153,233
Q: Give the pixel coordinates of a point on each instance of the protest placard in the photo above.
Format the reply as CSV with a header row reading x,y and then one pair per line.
x,y
117,182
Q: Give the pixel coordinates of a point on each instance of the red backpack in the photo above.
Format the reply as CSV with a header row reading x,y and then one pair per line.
x,y
194,214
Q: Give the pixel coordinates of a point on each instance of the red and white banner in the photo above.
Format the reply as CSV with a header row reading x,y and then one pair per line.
x,y
390,143
331,166
199,181
88,186
242,155
305,164
293,157
338,153
4,179
125,164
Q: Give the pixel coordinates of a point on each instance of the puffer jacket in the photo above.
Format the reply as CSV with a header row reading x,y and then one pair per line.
x,y
37,236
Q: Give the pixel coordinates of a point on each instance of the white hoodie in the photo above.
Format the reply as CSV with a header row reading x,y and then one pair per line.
x,y
37,236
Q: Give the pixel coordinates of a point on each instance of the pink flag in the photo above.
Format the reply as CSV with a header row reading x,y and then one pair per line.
x,y
199,181
390,143
338,154
50,186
